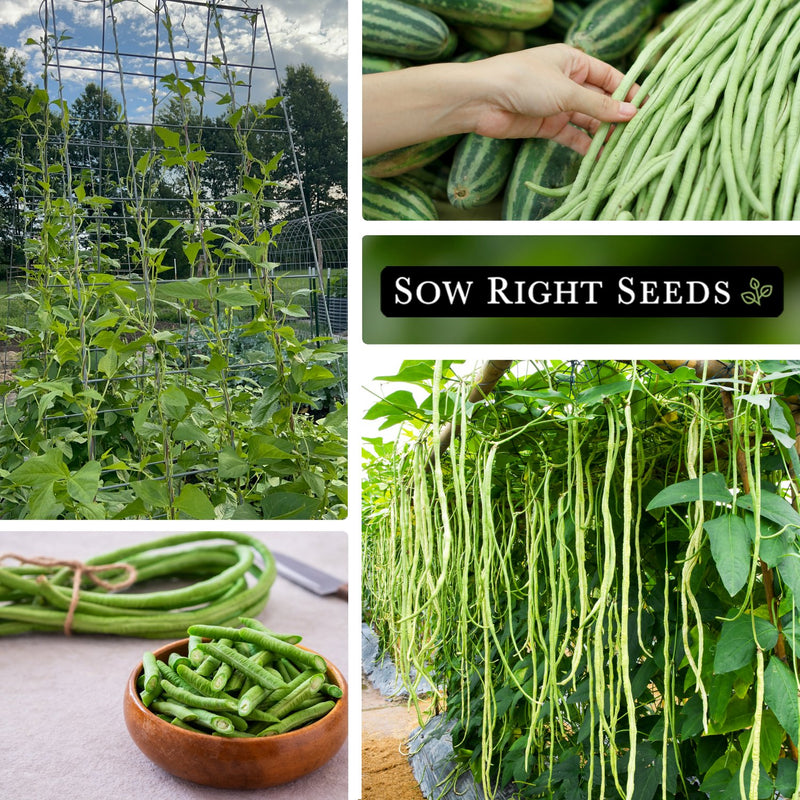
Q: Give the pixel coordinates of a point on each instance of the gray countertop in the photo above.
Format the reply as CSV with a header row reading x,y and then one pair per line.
x,y
62,733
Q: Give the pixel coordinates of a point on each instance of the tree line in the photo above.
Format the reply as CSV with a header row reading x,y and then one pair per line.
x,y
102,146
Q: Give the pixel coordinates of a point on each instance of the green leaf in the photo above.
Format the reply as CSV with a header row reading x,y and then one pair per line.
x,y
316,377
190,289
39,471
730,547
336,422
292,310
239,197
737,646
289,505
781,420
42,503
188,431
719,695
170,138
711,486
789,570
267,448
174,403
193,502
760,400
709,749
648,778
143,163
775,508
771,739
314,482
416,372
785,781
251,184
265,406
395,408
738,716
141,423
237,296
152,493
191,249
231,465
597,394
765,791
83,484
691,718
45,403
67,350
792,633
246,511
109,363
774,542
780,694
543,397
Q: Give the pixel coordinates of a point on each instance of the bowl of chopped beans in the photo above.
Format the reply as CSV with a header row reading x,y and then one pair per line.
x,y
236,708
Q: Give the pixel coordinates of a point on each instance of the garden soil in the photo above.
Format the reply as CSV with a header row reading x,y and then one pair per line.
x,y
385,726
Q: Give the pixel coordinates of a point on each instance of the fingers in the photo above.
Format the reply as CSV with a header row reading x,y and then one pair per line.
x,y
589,124
597,73
575,138
600,106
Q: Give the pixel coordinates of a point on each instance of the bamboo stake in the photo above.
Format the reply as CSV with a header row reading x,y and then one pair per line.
x,y
490,374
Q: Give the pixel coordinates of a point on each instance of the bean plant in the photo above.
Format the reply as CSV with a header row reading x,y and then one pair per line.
x,y
109,412
598,573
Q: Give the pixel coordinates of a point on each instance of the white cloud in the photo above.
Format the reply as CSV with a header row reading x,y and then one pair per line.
x,y
305,31
12,11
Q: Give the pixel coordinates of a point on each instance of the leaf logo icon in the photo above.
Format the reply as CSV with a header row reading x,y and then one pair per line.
x,y
758,294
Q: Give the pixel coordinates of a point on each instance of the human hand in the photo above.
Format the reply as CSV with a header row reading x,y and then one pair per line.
x,y
554,92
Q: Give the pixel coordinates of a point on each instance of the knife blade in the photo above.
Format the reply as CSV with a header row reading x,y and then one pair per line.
x,y
310,578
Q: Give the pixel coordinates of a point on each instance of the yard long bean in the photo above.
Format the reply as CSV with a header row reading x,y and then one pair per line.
x,y
717,135
227,581
263,703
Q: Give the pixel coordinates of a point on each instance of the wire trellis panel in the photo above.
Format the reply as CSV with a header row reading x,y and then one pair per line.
x,y
318,251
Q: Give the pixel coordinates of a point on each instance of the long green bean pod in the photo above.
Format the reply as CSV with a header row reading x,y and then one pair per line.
x,y
233,581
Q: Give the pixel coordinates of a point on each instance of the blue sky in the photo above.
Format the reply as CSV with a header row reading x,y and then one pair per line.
x,y
302,32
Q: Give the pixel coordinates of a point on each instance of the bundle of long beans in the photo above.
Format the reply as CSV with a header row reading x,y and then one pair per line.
x,y
718,131
218,583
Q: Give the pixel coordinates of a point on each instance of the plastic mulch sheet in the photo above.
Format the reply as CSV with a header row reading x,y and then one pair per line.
x,y
381,671
431,757
430,747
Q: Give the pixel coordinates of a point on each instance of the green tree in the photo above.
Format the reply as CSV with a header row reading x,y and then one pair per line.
x,y
99,158
12,85
319,134
98,139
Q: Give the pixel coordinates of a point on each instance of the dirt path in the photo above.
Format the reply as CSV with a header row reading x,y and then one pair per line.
x,y
385,725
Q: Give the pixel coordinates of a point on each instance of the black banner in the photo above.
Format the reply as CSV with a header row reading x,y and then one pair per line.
x,y
470,291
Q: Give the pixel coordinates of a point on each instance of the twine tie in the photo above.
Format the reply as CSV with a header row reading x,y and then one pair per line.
x,y
79,570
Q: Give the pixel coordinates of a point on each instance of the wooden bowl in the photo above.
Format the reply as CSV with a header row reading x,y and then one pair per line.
x,y
234,763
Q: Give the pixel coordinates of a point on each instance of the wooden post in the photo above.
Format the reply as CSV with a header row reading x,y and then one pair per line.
x,y
490,374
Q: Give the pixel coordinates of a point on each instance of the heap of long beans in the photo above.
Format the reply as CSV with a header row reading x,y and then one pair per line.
x,y
718,132
214,584
575,624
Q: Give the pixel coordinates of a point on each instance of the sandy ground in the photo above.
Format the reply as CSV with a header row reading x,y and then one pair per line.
x,y
385,771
